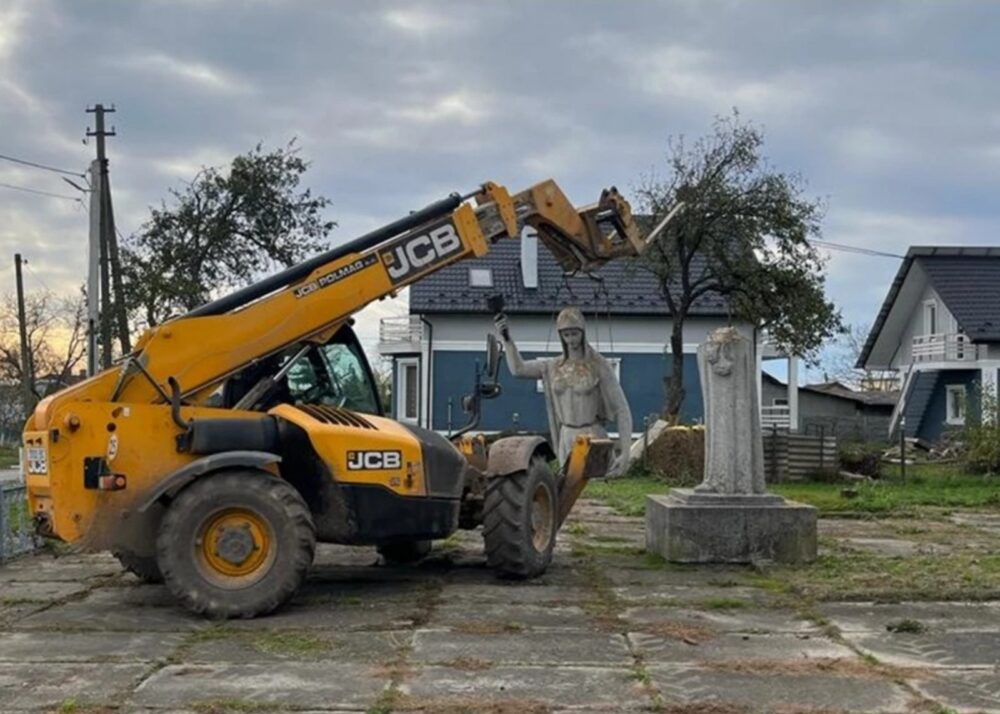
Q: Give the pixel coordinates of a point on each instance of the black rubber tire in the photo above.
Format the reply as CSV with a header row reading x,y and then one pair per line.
x,y
277,503
404,552
507,522
144,568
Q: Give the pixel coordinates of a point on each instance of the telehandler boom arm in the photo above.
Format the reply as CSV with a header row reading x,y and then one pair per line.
x,y
312,300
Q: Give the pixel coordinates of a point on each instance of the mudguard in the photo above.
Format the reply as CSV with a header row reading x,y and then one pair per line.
x,y
186,474
513,453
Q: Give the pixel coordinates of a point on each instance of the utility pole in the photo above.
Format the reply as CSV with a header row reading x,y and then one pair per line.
x,y
94,269
27,369
106,230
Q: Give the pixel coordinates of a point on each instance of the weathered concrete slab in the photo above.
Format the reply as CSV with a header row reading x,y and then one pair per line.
x,y
458,614
86,646
338,616
963,691
895,547
10,615
532,592
872,617
775,690
693,594
941,649
110,609
733,647
70,568
292,684
566,647
32,685
600,688
42,591
227,644
744,620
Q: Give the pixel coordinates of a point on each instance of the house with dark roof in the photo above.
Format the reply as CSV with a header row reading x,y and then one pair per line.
x,y
835,409
435,349
939,329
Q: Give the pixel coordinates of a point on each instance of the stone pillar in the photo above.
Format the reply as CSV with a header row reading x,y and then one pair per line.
x,y
729,517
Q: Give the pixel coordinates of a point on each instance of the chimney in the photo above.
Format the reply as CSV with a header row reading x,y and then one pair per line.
x,y
529,257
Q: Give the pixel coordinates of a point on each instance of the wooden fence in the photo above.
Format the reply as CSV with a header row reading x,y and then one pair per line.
x,y
791,457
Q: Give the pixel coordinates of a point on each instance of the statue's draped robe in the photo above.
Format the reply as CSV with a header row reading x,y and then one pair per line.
x,y
734,458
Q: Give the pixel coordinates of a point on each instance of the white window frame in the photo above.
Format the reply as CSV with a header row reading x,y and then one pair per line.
x,y
952,392
401,389
931,309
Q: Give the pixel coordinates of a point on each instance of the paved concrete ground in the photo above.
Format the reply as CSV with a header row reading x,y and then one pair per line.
x,y
606,629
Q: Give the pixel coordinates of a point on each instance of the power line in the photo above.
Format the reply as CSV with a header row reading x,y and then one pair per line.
x,y
36,276
854,249
44,167
35,190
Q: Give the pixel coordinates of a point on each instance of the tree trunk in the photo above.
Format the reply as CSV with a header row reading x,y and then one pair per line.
x,y
675,382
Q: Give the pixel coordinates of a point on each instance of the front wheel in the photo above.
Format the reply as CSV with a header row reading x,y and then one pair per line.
x,y
236,544
519,521
143,567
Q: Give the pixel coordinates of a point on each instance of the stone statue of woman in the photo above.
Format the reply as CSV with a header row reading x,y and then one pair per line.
x,y
581,391
734,457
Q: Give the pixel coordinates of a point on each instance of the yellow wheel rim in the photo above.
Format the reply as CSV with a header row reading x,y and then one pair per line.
x,y
235,547
542,518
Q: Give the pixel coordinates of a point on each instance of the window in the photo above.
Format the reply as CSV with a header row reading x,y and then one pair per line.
x,y
779,402
955,404
930,317
480,277
408,390
332,375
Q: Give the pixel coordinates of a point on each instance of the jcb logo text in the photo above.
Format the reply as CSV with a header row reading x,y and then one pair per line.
x,y
414,254
374,460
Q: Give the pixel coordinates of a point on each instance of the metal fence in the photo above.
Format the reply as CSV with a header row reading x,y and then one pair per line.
x,y
16,533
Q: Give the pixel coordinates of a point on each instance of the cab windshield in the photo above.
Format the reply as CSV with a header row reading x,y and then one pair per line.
x,y
332,375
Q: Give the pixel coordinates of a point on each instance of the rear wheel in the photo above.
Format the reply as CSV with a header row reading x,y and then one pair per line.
x,y
143,567
236,544
519,521
405,551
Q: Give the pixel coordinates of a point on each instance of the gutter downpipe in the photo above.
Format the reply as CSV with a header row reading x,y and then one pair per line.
x,y
430,370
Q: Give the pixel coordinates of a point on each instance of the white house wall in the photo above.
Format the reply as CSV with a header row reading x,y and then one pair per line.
x,y
915,326
537,332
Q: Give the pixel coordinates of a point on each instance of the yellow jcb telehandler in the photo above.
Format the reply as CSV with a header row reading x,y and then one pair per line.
x,y
233,438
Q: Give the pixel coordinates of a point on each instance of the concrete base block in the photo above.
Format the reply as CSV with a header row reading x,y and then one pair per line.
x,y
688,527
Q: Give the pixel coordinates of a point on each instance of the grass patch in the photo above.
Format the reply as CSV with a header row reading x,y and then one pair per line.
x,y
930,486
906,625
724,603
846,574
489,628
290,643
8,456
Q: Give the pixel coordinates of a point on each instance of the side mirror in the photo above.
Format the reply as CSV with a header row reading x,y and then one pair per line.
x,y
493,351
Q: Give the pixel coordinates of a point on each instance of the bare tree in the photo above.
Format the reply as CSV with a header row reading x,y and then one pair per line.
x,y
56,328
839,362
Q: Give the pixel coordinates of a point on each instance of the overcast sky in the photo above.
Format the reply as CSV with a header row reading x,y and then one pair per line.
x,y
890,110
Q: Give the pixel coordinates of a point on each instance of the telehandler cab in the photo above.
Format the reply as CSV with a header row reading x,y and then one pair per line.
x,y
233,438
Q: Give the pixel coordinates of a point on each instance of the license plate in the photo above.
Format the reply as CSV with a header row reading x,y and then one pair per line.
x,y
37,460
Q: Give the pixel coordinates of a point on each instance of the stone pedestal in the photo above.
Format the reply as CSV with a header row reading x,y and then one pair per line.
x,y
689,527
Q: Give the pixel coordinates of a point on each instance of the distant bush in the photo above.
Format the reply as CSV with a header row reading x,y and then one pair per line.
x,y
982,439
862,457
678,455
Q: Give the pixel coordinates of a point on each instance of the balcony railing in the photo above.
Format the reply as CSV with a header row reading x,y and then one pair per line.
x,y
400,334
944,347
776,417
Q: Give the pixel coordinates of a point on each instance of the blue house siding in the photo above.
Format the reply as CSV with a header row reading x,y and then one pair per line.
x,y
932,425
641,377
